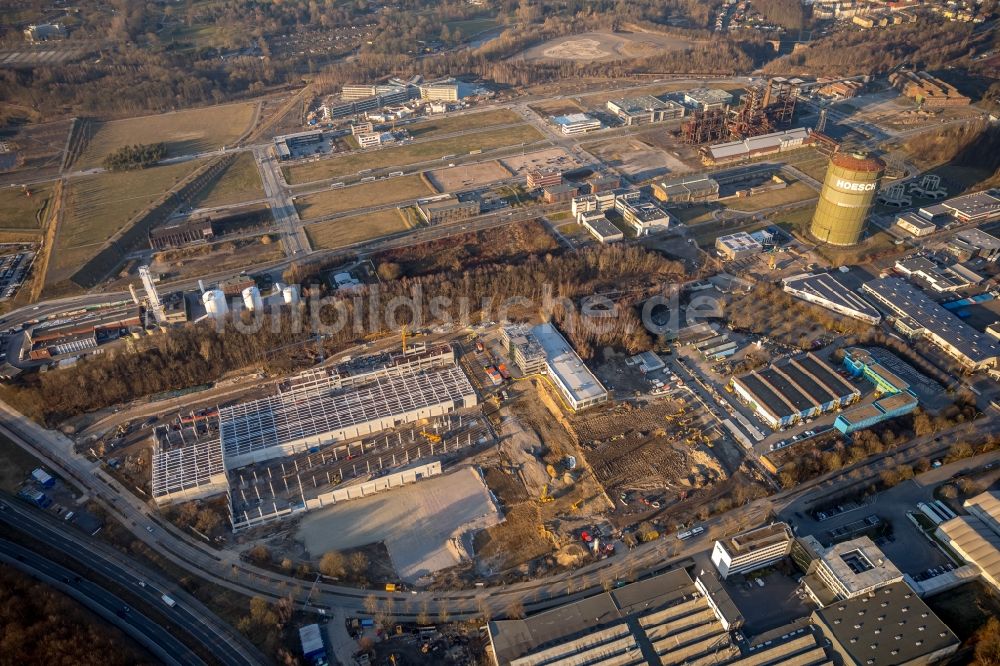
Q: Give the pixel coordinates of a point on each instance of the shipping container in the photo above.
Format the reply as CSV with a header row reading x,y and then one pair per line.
x,y
312,642
43,478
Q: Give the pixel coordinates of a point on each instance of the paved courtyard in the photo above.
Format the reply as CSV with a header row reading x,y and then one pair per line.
x,y
422,525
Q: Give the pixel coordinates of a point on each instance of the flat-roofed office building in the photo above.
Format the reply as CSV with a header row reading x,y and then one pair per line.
x,y
752,549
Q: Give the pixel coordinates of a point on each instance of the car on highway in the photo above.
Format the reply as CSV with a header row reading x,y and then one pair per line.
x,y
149,529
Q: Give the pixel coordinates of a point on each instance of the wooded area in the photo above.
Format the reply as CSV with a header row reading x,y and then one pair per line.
x,y
39,625
138,156
848,51
200,353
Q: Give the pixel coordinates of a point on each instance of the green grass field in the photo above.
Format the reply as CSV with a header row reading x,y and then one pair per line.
x,y
98,206
328,202
348,230
470,27
184,132
19,211
446,125
401,156
696,214
240,182
791,194
186,37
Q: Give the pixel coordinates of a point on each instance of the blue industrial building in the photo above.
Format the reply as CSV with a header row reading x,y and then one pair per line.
x,y
894,395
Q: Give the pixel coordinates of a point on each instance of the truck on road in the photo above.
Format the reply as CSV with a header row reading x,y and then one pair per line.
x,y
168,601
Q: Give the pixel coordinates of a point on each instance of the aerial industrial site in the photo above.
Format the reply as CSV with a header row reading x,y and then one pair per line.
x,y
371,334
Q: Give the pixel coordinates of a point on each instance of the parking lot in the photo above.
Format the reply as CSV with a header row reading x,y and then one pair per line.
x,y
906,546
767,598
13,269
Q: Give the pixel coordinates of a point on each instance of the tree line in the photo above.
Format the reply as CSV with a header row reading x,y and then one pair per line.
x,y
201,353
136,156
928,44
493,63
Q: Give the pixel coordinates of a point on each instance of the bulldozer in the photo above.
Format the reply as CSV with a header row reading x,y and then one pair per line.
x,y
545,497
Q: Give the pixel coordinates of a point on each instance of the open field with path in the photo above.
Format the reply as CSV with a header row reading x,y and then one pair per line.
x,y
601,46
184,132
42,146
240,182
340,200
468,121
19,211
98,206
355,229
656,89
794,192
452,179
401,156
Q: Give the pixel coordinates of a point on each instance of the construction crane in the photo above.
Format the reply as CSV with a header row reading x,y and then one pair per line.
x,y
545,498
431,437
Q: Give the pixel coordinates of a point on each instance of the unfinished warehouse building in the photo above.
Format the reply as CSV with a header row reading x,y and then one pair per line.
x,y
280,487
187,464
318,408
372,419
784,394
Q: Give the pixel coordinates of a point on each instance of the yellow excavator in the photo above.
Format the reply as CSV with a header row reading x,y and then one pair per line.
x,y
431,437
545,497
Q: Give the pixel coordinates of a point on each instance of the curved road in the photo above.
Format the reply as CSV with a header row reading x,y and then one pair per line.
x,y
188,615
146,632
226,569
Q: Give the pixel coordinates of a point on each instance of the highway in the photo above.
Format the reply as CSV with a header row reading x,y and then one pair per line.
x,y
155,638
101,560
225,568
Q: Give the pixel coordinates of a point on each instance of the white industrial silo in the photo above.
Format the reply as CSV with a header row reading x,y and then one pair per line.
x,y
252,300
290,294
215,303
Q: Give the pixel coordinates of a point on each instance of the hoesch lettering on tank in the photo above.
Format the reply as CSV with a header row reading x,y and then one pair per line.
x,y
857,187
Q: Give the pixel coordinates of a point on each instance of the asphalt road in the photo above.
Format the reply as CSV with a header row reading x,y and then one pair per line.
x,y
226,569
146,632
188,615
286,218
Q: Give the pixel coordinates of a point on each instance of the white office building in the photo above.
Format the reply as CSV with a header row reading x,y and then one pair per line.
x,y
752,549
576,123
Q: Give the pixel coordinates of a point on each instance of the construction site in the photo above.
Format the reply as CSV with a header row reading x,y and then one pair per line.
x,y
510,474
323,436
